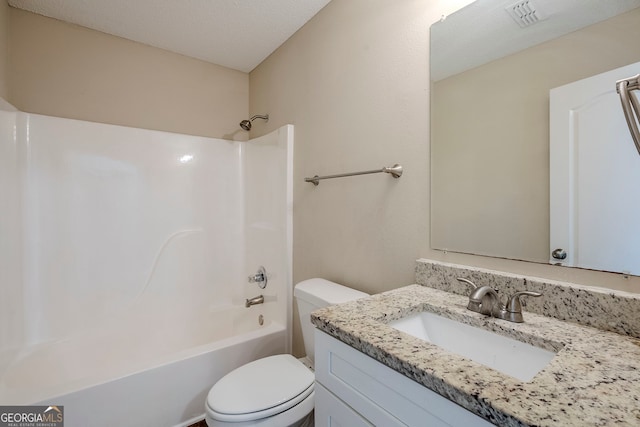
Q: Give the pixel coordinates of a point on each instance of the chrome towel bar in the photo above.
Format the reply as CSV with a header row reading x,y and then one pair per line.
x,y
395,171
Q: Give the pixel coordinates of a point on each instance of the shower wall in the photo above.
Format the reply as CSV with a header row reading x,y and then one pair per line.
x,y
105,223
117,215
11,300
268,199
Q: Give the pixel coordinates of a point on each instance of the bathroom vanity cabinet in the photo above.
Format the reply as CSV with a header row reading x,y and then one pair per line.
x,y
389,377
355,390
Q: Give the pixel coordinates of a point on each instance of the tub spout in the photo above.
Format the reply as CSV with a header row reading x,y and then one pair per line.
x,y
253,301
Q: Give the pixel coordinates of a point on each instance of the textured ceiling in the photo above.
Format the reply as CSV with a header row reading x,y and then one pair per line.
x,y
237,34
484,31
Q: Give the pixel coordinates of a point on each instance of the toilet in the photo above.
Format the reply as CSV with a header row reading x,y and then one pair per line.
x,y
276,391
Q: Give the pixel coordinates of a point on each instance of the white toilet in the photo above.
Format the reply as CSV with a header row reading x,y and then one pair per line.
x,y
276,391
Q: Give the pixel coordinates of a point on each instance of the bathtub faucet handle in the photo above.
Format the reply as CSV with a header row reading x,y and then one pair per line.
x,y
260,278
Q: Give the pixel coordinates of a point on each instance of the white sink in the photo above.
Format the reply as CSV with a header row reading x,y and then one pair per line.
x,y
509,356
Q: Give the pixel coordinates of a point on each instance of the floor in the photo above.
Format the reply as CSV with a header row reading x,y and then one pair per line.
x,y
199,424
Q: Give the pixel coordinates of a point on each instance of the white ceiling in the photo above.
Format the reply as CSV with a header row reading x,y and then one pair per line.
x,y
237,34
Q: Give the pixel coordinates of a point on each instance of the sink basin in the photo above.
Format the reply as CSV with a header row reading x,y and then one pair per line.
x,y
514,358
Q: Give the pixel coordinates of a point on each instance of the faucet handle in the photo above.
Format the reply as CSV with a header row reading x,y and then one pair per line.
x,y
514,305
260,277
467,281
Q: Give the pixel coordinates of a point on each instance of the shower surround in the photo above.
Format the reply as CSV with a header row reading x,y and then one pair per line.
x,y
124,259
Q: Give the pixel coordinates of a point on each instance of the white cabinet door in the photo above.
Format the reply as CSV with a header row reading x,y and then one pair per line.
x,y
379,394
333,412
594,176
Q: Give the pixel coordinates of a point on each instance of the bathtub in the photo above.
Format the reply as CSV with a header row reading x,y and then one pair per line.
x,y
128,377
123,286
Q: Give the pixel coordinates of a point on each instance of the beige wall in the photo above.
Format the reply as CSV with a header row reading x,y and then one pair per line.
x,y
354,81
69,71
4,47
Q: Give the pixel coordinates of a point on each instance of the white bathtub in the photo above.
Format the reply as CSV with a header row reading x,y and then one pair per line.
x,y
128,377
125,265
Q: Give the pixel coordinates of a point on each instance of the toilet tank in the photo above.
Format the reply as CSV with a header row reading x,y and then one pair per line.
x,y
313,294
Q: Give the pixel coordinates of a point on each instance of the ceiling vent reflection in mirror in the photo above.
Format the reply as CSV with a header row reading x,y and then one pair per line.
x,y
525,13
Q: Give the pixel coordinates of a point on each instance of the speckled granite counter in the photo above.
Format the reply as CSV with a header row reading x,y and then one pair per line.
x,y
594,380
605,309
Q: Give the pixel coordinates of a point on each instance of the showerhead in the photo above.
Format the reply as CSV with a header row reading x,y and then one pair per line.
x,y
246,124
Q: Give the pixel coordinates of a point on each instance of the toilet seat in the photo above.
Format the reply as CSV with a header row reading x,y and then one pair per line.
x,y
260,389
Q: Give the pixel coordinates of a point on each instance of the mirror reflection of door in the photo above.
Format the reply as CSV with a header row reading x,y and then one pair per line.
x,y
591,148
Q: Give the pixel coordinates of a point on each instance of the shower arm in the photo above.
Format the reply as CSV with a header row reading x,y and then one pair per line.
x,y
630,105
246,124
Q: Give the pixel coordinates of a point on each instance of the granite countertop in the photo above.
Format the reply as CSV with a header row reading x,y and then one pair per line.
x,y
594,379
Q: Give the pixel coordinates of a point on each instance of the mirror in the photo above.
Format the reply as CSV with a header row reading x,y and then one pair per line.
x,y
493,64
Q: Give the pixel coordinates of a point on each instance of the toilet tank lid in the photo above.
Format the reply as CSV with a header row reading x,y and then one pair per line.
x,y
322,292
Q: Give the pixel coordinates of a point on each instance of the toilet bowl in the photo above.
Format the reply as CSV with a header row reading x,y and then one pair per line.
x,y
276,391
273,391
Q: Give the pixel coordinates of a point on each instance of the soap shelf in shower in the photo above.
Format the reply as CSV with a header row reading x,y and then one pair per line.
x,y
395,171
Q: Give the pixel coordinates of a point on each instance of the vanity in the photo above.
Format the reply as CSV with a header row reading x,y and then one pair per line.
x,y
369,372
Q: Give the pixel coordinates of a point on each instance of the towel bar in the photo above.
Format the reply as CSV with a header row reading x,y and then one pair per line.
x,y
395,171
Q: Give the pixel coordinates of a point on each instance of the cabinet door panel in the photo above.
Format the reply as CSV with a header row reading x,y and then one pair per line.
x,y
380,394
332,412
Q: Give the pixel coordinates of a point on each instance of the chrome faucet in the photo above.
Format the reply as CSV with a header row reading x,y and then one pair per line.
x,y
254,301
260,278
485,300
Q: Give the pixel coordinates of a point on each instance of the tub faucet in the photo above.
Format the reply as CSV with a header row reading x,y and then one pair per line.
x,y
485,300
254,301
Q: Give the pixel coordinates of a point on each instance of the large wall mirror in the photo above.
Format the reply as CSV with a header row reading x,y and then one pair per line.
x,y
492,70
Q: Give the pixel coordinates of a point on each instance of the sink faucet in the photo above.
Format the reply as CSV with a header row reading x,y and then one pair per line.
x,y
485,300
